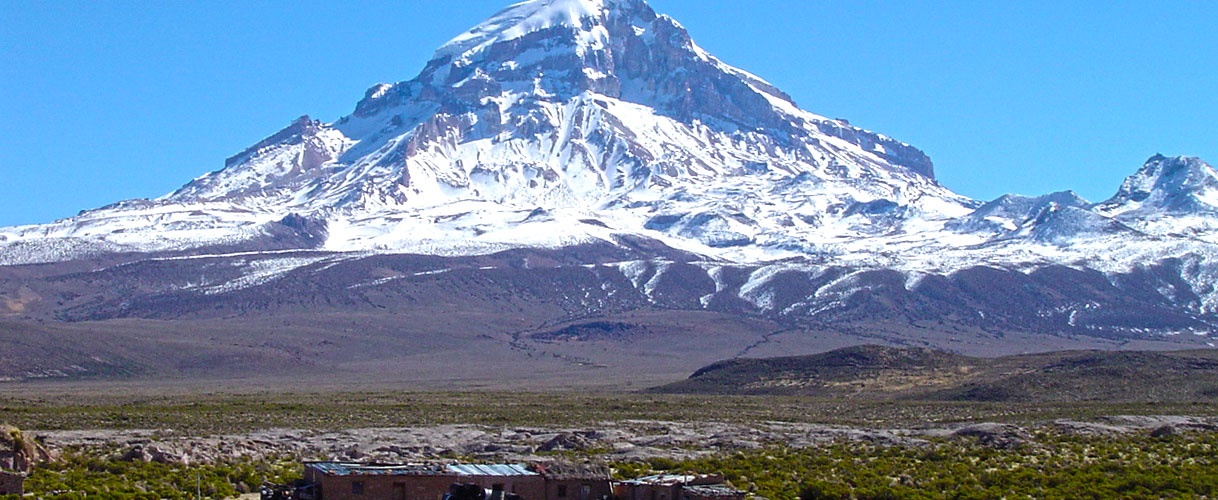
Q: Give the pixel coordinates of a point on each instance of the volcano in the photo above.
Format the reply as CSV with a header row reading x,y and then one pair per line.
x,y
575,186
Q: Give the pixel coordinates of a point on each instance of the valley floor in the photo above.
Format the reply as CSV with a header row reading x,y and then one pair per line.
x,y
128,444
219,412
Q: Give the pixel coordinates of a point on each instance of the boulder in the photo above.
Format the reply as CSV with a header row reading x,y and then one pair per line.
x,y
995,435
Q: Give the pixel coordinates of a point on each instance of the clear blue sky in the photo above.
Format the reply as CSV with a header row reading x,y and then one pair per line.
x,y
106,100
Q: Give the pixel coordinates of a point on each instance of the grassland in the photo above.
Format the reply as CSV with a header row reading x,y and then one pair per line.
x,y
1058,467
82,475
1050,465
226,413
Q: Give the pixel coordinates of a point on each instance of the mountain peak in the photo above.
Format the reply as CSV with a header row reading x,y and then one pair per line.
x,y
1177,184
564,103
587,110
522,19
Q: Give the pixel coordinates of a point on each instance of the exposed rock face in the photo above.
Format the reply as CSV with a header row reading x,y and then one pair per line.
x,y
1168,197
20,451
629,440
625,440
568,441
996,435
1178,185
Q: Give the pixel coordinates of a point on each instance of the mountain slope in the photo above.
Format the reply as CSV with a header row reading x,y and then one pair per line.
x,y
887,372
580,107
578,165
1175,196
564,122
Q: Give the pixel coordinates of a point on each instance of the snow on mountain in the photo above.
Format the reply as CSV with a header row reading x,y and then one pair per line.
x,y
1175,196
1179,185
293,156
561,122
588,109
525,18
1010,212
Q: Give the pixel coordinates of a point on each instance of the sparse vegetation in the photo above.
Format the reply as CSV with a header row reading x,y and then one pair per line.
x,y
1058,467
1054,466
95,474
1050,465
327,411
880,372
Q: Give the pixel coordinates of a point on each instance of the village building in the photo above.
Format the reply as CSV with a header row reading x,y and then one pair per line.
x,y
355,481
12,483
677,487
568,481
18,454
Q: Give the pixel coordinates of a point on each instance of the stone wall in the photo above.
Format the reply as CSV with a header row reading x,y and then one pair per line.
x,y
11,483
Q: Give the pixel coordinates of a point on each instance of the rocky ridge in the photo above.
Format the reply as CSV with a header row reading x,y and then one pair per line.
x,y
617,441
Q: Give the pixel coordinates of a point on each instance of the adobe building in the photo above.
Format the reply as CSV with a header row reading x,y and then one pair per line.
x,y
677,487
354,481
568,481
12,483
18,454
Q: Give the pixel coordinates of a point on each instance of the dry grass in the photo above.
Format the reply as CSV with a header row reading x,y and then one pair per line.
x,y
203,413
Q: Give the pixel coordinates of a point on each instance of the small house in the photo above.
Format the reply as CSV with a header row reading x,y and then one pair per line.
x,y
677,487
355,481
571,481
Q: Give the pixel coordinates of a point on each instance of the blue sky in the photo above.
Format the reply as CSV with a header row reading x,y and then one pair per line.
x,y
104,100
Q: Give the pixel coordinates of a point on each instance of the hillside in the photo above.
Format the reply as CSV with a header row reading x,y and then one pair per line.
x,y
878,372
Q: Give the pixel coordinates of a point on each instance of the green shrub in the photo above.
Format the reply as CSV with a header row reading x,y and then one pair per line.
x,y
85,474
1057,467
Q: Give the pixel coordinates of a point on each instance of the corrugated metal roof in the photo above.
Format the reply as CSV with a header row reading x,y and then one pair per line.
x,y
492,470
714,491
663,479
358,469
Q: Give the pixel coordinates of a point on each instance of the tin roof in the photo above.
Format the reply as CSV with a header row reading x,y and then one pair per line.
x,y
673,479
358,469
711,491
491,470
662,479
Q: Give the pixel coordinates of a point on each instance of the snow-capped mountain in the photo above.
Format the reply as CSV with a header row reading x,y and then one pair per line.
x,y
1170,197
1167,186
596,139
583,109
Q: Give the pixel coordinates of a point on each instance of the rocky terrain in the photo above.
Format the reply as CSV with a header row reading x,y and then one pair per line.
x,y
615,441
20,452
